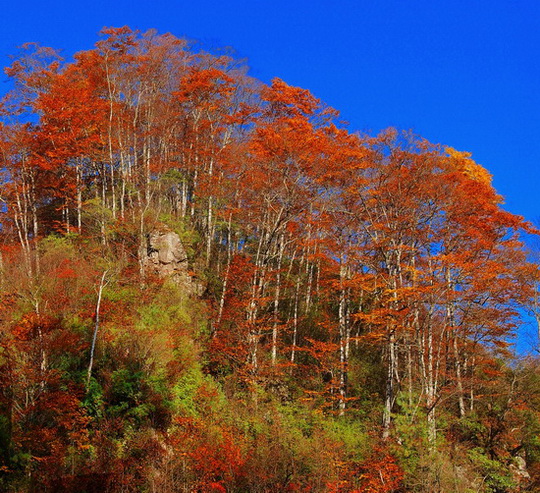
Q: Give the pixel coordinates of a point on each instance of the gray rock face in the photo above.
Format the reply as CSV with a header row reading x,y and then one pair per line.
x,y
166,254
519,470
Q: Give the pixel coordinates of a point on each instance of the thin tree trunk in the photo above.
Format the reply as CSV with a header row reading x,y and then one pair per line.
x,y
390,386
102,284
276,301
79,194
227,271
344,337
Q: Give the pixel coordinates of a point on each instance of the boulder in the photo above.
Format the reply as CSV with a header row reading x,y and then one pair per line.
x,y
519,470
165,253
166,256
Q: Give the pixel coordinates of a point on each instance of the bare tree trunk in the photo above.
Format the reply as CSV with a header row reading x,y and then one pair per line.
x,y
210,217
184,198
431,390
102,284
459,378
109,138
344,339
295,312
390,386
450,316
276,300
78,171
103,203
471,394
392,376
227,271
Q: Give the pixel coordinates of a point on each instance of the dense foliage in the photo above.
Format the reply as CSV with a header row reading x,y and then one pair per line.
x,y
344,322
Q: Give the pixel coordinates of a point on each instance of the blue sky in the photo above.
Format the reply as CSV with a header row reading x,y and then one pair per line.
x,y
464,73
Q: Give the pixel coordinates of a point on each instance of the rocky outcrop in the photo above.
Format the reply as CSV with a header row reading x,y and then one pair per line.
x,y
166,256
519,471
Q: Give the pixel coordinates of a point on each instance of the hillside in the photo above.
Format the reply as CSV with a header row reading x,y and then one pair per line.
x,y
211,284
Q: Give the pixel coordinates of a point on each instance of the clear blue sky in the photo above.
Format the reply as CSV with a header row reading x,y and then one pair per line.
x,y
463,73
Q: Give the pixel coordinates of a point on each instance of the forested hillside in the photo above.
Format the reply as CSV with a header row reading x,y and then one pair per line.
x,y
210,284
